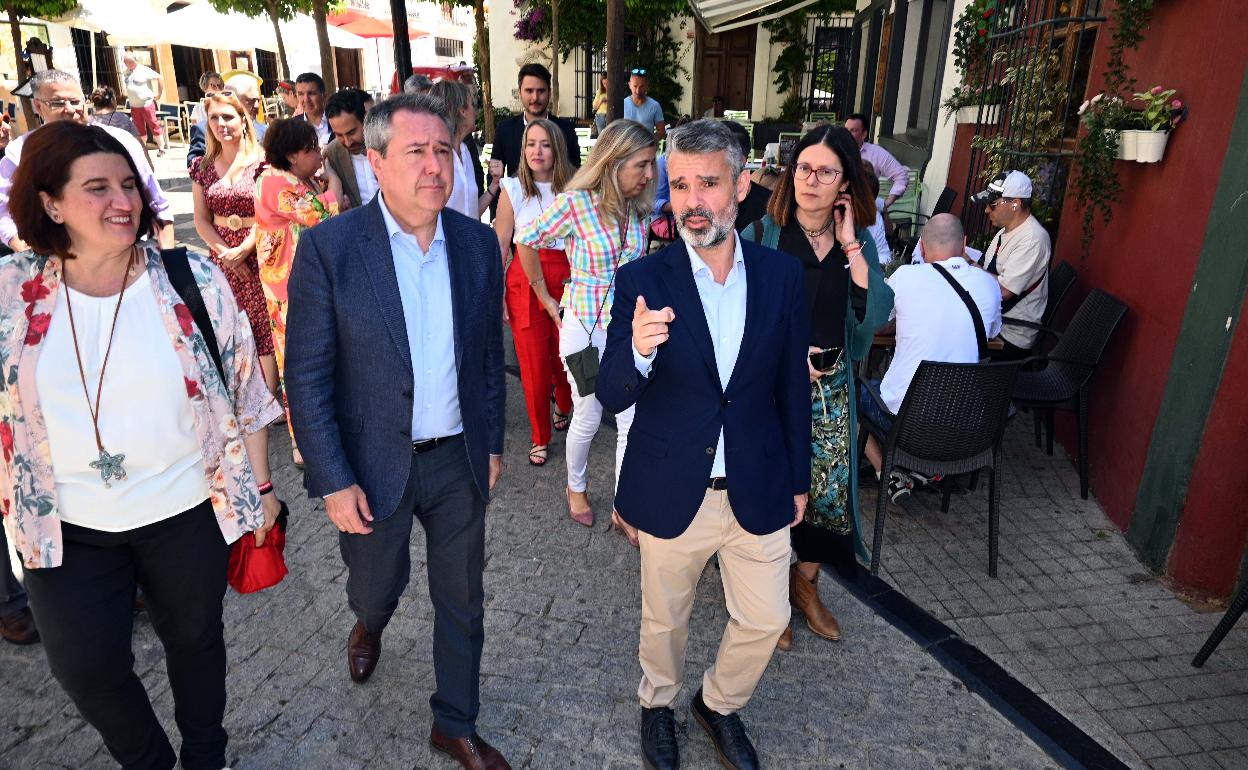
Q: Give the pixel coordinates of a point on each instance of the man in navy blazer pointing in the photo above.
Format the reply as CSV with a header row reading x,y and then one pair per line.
x,y
394,374
718,457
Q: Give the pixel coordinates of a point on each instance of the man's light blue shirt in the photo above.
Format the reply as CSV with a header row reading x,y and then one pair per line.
x,y
649,114
662,190
724,307
425,290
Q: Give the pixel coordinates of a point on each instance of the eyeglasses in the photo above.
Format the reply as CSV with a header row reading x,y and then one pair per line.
x,y
992,204
60,104
638,71
822,175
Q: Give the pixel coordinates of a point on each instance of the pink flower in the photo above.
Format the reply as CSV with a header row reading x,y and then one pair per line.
x,y
1156,90
1176,104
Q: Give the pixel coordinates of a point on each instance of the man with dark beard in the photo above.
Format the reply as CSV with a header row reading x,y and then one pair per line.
x,y
718,457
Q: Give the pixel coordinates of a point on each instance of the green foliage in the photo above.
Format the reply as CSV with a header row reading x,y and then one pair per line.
x,y
789,32
1033,78
1130,20
282,9
970,36
42,9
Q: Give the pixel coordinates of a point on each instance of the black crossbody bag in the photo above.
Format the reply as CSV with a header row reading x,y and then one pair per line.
x,y
584,363
178,266
981,336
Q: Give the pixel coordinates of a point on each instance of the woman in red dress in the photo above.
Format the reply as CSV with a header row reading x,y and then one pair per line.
x,y
225,213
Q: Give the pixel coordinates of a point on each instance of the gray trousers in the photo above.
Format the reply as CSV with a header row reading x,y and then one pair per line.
x,y
442,495
12,594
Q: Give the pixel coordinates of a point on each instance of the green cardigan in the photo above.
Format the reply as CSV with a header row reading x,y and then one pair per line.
x,y
858,338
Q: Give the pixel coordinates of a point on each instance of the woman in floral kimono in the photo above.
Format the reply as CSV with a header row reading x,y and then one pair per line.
x,y
819,212
129,459
289,198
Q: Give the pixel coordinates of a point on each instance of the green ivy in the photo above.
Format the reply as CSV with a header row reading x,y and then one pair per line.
x,y
790,33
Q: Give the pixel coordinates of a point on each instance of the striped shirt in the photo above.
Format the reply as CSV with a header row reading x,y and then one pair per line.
x,y
593,246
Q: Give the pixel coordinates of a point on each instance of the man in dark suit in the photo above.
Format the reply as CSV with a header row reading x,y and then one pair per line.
x,y
400,414
534,82
346,154
718,457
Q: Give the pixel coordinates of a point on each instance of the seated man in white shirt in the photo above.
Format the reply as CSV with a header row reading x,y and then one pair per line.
x,y
933,323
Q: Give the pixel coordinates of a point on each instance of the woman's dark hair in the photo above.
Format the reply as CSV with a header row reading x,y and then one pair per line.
x,y
47,160
783,198
104,98
286,137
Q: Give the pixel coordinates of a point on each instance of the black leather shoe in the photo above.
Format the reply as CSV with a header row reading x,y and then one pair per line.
x,y
658,739
728,734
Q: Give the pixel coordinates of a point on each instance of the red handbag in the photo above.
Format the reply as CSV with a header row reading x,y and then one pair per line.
x,y
257,567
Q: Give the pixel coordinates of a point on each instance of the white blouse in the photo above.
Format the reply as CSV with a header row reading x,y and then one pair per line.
x,y
464,197
145,413
529,208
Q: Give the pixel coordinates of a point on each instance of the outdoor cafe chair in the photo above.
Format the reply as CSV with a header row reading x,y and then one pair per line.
x,y
907,223
1064,381
951,421
1233,613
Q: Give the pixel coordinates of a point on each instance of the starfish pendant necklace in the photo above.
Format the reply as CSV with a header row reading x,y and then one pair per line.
x,y
109,465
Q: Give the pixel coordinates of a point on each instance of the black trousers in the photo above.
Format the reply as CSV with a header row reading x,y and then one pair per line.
x,y
85,613
442,495
12,594
1010,352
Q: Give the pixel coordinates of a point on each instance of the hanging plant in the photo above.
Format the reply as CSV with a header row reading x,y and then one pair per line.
x,y
970,36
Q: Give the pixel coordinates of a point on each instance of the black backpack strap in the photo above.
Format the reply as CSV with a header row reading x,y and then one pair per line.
x,y
981,337
178,266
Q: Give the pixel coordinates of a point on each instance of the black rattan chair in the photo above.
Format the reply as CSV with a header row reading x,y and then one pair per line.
x,y
1238,605
1061,279
950,422
1064,381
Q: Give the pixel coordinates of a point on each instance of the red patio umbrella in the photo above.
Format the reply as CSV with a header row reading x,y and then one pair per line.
x,y
360,23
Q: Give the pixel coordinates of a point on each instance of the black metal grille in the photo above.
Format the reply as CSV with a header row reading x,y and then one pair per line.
x,y
1031,76
591,65
104,65
831,61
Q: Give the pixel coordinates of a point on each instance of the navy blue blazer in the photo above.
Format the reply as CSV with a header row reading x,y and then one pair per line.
x,y
764,411
348,366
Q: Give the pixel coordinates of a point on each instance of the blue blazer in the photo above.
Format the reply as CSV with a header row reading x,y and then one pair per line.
x,y
764,411
348,366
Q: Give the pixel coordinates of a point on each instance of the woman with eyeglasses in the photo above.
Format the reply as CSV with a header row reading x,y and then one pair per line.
x,y
224,192
819,212
209,83
467,197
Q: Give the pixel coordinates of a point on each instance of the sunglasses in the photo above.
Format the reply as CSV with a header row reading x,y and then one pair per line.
x,y
638,71
223,92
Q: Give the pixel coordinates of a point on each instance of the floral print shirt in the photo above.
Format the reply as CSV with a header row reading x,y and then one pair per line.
x,y
224,412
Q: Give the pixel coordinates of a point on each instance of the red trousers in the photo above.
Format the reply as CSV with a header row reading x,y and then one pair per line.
x,y
537,342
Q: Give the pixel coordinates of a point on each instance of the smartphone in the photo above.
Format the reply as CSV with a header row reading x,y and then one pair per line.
x,y
825,359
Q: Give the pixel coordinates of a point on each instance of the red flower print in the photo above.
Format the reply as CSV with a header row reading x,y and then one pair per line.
x,y
6,440
38,328
192,387
184,318
34,290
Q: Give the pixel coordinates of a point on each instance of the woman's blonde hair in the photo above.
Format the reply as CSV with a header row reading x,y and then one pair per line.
x,y
456,97
248,147
600,172
563,169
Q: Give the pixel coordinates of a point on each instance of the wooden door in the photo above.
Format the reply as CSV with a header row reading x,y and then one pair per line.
x,y
725,68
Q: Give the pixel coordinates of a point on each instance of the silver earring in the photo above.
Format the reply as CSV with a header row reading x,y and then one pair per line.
x,y
55,218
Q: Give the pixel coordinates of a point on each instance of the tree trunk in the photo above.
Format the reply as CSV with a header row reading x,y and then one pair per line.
x,y
281,45
483,64
28,110
328,72
402,45
554,56
615,59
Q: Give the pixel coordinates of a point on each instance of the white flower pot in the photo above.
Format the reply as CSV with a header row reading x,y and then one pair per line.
x,y
1151,145
971,115
1128,144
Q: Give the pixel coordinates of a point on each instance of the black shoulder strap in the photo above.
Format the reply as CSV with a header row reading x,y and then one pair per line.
x,y
178,266
981,337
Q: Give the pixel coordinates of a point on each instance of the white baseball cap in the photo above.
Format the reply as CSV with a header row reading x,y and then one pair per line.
x,y
1008,184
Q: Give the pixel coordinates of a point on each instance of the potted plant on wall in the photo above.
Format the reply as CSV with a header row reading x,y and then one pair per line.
x,y
1160,115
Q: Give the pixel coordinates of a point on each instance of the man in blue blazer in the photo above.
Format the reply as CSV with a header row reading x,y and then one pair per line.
x,y
394,374
718,457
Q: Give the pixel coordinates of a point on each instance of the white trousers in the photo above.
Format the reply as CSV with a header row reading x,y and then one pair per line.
x,y
586,410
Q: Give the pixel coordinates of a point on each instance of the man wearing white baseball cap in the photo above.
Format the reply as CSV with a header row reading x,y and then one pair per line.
x,y
1019,256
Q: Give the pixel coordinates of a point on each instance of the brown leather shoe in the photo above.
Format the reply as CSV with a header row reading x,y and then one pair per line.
x,y
804,596
19,627
363,652
472,753
785,642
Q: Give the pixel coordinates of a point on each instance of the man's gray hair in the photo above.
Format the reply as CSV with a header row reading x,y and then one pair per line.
x,y
48,77
417,84
705,136
943,237
378,123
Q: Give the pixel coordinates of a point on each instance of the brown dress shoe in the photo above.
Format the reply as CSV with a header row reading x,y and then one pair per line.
x,y
472,753
804,596
19,627
785,642
363,652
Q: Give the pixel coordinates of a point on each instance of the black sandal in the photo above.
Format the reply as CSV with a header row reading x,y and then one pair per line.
x,y
562,421
537,455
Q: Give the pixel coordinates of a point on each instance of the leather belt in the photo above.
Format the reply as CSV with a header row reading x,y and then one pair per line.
x,y
419,447
718,483
233,222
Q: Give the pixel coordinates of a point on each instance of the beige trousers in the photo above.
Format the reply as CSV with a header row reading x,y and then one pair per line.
x,y
755,573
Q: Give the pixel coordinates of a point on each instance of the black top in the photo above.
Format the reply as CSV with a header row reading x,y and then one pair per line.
x,y
507,138
828,287
753,208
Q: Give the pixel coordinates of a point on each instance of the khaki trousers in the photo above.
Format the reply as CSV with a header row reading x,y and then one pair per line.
x,y
755,573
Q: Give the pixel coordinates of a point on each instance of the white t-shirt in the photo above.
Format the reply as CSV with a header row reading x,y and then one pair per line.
x,y
882,250
1021,261
139,89
464,196
529,208
933,323
365,181
145,413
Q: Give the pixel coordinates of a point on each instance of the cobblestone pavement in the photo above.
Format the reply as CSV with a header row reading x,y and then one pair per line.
x,y
1073,614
